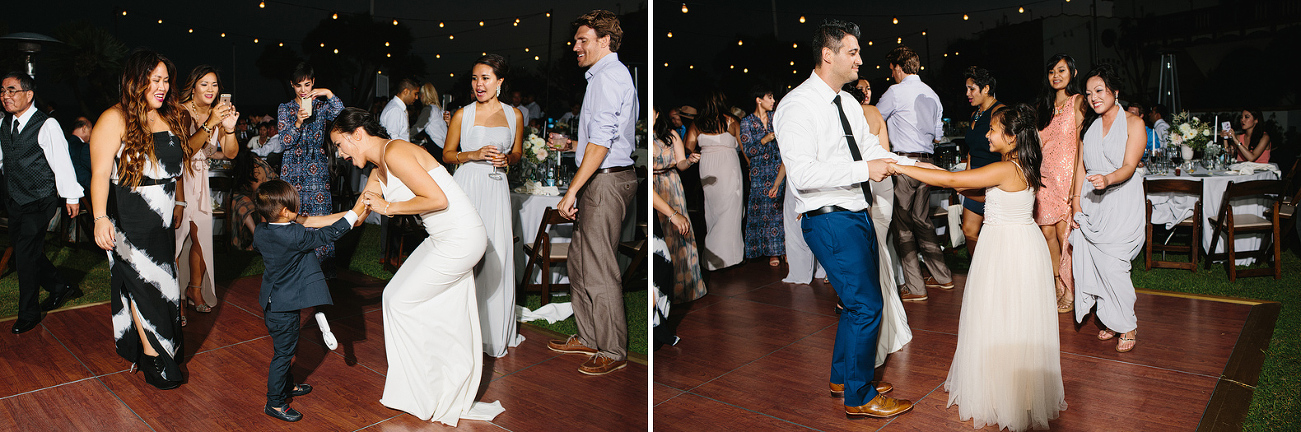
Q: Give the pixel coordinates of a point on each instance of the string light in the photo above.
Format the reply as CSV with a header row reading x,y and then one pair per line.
x,y
322,45
946,54
670,34
450,37
739,43
896,20
123,13
955,53
869,43
795,45
336,16
223,35
691,66
515,24
878,66
731,66
801,19
255,40
526,50
282,44
900,40
388,55
438,56
395,22
451,75
262,5
484,53
480,23
792,63
965,17
336,50
548,14
684,8
666,64
1020,9
795,72
191,30
746,70
537,58
923,33
440,25
160,21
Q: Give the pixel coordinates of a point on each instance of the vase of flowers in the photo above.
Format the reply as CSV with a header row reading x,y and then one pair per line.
x,y
1189,133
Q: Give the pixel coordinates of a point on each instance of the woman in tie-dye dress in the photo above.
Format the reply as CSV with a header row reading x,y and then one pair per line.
x,y
669,157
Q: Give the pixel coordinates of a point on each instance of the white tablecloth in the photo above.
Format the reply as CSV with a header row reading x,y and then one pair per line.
x,y
1170,207
530,209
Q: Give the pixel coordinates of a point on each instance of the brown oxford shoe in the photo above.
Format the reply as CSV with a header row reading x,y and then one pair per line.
x,y
881,406
601,365
838,390
570,346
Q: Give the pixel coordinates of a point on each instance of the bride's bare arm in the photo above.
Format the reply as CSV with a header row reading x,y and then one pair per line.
x,y
403,161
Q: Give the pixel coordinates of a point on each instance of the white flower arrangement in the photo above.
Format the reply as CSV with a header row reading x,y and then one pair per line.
x,y
1190,131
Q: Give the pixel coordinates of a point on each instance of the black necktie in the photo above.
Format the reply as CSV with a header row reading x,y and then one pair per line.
x,y
853,147
13,132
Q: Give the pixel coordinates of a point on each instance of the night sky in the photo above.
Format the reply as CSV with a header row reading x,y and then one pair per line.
x,y
288,21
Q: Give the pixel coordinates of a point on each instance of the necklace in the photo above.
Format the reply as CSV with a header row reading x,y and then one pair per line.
x,y
1057,108
980,112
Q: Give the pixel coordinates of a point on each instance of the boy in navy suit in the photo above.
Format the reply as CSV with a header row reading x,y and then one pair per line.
x,y
293,279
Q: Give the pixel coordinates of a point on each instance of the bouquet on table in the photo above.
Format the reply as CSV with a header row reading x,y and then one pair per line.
x,y
533,168
1190,131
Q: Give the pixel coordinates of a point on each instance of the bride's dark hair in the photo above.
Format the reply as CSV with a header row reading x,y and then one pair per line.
x,y
1020,121
352,118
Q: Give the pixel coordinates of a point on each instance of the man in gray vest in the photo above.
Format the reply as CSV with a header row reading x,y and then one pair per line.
x,y
34,158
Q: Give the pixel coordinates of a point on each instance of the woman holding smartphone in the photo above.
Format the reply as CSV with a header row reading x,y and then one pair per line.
x,y
302,135
1253,144
212,132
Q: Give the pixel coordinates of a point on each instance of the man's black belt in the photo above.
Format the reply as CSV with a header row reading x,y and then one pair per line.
x,y
613,170
916,155
827,209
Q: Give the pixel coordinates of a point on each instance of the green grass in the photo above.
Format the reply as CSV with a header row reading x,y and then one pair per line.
x,y
87,266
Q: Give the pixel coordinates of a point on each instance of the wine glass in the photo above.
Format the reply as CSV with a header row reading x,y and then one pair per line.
x,y
496,170
1176,157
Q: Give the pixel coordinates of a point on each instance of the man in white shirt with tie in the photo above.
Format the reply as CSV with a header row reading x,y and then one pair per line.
x,y
394,117
829,156
38,174
913,115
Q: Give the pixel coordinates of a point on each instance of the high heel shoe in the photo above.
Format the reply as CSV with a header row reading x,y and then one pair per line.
x,y
156,373
200,307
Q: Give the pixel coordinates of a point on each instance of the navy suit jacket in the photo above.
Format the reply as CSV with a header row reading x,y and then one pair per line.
x,y
293,279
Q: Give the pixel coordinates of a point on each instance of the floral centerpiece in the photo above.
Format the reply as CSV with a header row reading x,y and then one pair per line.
x,y
1189,131
532,170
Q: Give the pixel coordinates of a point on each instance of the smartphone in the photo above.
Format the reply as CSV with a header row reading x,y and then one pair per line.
x,y
1225,126
225,98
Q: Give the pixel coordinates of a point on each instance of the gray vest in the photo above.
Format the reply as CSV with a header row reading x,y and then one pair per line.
x,y
26,170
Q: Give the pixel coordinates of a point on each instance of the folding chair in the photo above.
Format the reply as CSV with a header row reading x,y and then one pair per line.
x,y
1235,224
1193,221
543,254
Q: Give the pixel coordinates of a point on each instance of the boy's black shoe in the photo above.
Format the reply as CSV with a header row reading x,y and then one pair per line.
x,y
301,389
284,413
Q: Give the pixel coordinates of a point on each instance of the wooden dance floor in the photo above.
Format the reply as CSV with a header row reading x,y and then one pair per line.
x,y
755,355
64,375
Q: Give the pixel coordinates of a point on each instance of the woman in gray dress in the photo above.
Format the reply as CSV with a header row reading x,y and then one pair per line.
x,y
1108,211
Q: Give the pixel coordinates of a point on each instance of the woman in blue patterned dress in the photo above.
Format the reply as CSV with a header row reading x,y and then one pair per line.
x,y
764,235
302,133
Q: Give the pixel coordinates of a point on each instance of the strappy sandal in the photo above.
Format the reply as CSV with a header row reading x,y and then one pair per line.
x,y
1106,334
1064,305
199,307
1124,339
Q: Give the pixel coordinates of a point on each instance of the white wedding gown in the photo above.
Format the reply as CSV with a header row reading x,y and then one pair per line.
x,y
1007,370
494,277
431,322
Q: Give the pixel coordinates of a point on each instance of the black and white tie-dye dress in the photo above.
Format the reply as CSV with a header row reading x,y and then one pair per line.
x,y
141,264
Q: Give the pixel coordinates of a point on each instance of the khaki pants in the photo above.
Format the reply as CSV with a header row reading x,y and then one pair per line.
x,y
916,233
594,263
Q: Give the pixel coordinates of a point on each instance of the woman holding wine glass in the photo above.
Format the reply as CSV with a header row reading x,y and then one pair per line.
x,y
483,138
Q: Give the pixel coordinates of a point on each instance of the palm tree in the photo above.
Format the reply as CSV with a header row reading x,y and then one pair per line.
x,y
90,62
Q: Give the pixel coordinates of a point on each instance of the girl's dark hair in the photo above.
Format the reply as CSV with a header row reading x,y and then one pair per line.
x,y
664,128
496,62
273,196
1111,79
981,77
1047,96
187,92
1019,121
302,72
853,90
352,118
1259,131
714,114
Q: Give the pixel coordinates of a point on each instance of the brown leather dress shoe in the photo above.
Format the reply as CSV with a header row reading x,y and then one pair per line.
x,y
838,390
932,283
907,296
570,346
601,365
881,406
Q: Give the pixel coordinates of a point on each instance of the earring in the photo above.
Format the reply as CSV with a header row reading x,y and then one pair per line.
x,y
498,91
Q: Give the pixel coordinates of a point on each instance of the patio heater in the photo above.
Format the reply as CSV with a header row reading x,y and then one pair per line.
x,y
29,44
1168,87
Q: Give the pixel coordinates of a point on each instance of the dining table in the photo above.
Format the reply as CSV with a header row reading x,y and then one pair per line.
x,y
1169,208
529,209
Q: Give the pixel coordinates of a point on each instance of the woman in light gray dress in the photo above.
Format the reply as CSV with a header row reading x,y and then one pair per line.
x,y
1108,211
715,133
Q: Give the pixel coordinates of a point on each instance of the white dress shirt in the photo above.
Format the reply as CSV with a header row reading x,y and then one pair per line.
x,y
272,145
609,113
820,171
434,126
55,147
524,111
535,111
913,114
1162,130
394,119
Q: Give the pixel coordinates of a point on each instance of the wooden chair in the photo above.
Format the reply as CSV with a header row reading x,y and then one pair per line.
x,y
543,254
70,226
222,187
635,249
1194,222
403,231
1234,224
940,217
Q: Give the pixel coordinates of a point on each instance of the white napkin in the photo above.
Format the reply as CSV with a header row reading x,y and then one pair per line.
x,y
1247,168
956,237
484,411
536,188
551,312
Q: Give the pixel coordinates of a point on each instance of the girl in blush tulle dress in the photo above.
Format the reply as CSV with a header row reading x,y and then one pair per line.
x,y
1006,370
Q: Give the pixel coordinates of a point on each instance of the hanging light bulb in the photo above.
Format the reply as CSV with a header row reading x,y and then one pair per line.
x,y
900,40
896,20
1020,9
449,37
923,33
666,64
739,43
191,30
670,34
262,5
336,50
526,50
223,35
691,66
255,40
123,13
684,8
480,23
438,56
965,17
160,21
388,55
537,58
869,43
395,22
440,25
801,19
746,70
336,15
282,44
795,45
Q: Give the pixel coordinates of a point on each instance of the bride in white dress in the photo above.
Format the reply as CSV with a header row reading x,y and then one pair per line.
x,y
431,322
1006,370
484,137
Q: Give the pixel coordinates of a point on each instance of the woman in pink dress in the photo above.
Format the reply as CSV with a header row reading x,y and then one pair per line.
x,y
1061,112
1255,149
